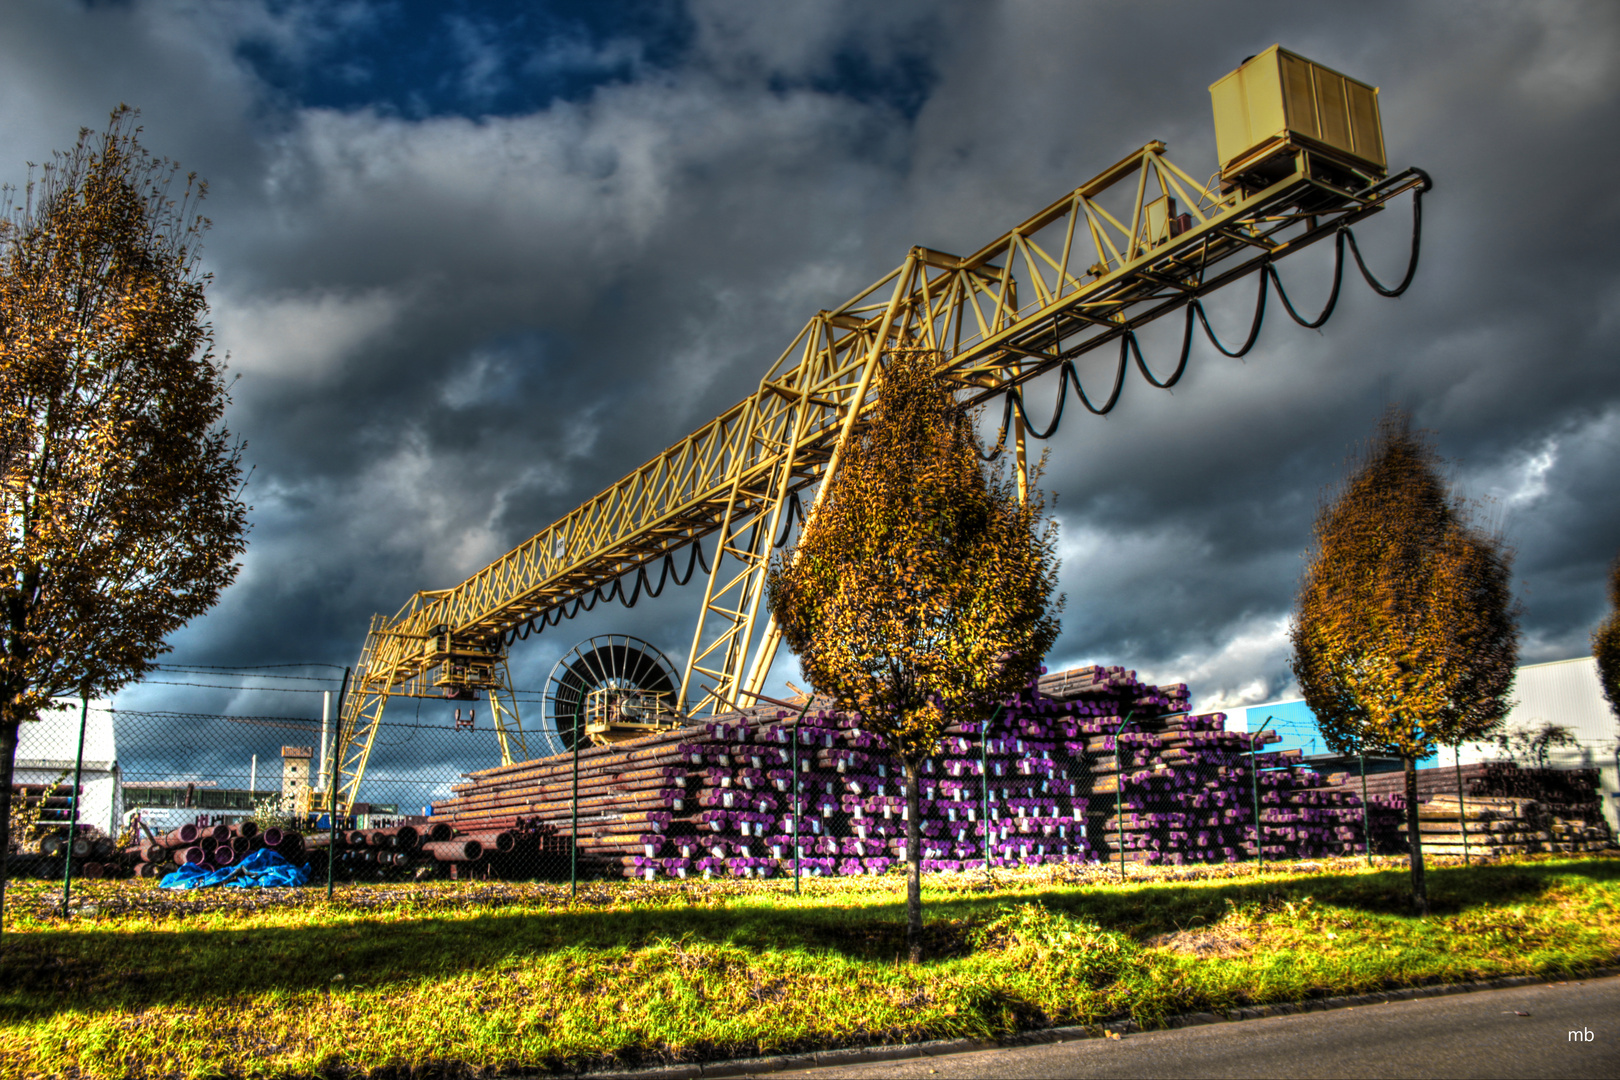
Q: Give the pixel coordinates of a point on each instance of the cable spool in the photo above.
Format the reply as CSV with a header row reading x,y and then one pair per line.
x,y
616,673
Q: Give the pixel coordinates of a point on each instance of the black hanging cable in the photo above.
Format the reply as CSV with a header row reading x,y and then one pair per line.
x,y
1001,435
1254,327
555,616
1181,364
697,556
1070,376
1131,348
795,511
1417,242
1333,294
1113,397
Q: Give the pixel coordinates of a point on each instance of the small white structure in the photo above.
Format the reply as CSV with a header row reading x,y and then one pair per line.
x,y
47,749
295,777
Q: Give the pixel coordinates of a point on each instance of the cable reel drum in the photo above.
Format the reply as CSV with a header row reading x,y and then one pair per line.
x,y
611,688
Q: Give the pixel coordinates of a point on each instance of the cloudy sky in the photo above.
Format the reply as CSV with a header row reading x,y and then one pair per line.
x,y
475,260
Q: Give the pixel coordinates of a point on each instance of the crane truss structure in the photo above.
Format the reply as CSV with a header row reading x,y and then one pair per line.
x,y
1082,274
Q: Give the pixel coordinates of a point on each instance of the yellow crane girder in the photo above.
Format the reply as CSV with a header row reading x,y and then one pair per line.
x,y
1085,271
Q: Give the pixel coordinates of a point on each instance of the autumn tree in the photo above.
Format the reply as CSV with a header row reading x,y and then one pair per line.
x,y
118,483
919,591
1405,632
1606,642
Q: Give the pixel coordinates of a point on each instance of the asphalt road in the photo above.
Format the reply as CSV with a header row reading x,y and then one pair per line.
x,y
1517,1032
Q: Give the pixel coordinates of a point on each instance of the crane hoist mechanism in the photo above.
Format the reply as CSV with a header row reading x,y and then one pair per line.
x,y
1301,157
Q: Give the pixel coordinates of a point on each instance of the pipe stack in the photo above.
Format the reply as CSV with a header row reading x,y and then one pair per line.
x,y
1176,789
209,846
1553,809
1493,826
494,847
721,798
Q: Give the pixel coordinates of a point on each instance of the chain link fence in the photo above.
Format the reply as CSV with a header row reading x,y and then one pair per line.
x,y
1090,767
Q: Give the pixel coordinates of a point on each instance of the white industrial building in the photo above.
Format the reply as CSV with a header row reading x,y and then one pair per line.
x,y
1563,692
47,749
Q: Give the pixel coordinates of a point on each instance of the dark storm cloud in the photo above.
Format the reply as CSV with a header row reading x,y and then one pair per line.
x,y
459,314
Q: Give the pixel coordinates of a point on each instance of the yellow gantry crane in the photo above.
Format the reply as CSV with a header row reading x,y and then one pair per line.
x,y
1302,158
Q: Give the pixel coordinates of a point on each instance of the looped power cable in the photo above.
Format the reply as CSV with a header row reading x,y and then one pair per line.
x,y
794,515
695,558
557,614
1129,348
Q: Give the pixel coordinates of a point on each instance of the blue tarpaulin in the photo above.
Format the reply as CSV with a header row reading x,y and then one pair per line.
x,y
262,868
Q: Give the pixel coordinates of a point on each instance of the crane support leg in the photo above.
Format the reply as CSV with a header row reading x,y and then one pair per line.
x,y
503,713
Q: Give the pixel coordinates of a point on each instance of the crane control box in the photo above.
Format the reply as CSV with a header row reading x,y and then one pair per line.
x,y
1278,104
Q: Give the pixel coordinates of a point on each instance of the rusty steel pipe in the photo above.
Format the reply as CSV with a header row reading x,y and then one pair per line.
x,y
502,841
458,850
184,836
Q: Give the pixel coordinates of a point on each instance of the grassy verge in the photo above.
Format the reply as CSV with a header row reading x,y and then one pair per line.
x,y
446,980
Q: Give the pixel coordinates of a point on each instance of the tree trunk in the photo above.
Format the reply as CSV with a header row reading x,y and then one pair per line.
x,y
8,761
1414,840
914,922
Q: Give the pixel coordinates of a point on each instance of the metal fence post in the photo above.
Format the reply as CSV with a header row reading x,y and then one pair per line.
x,y
1254,776
1462,807
73,823
573,827
795,797
332,785
984,787
1366,818
1119,790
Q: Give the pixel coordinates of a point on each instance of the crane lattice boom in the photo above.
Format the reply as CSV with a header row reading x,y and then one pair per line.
x,y
1139,241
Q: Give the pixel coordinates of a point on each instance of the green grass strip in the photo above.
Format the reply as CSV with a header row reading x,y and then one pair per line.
x,y
458,980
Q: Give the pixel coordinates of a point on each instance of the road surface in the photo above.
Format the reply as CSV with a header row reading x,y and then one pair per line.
x,y
1555,1030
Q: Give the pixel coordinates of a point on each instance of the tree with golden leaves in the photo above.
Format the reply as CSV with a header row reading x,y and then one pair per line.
x,y
118,483
1405,632
920,589
1606,643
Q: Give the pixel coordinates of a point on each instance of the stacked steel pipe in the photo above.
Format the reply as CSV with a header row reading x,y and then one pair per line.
x,y
210,846
722,799
1552,809
1171,788
503,847
1481,827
